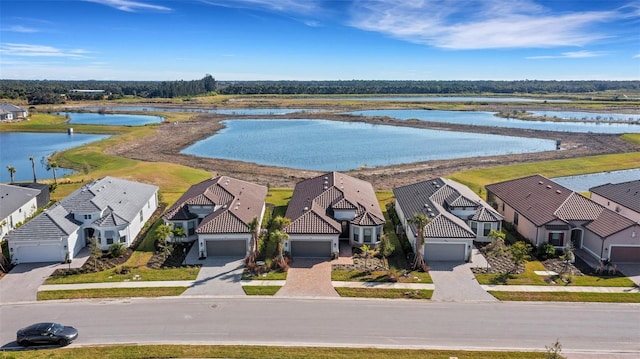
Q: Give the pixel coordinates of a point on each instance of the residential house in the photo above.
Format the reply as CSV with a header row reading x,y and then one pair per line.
x,y
623,198
456,217
10,112
329,208
111,210
16,205
217,212
546,212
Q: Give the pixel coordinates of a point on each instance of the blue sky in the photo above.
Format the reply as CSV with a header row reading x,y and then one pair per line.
x,y
320,40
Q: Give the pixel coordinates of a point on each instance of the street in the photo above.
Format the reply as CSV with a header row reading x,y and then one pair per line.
x,y
582,327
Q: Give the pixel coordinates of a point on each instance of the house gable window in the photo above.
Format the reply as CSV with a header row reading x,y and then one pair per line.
x,y
515,218
87,216
486,229
556,239
141,217
123,239
367,235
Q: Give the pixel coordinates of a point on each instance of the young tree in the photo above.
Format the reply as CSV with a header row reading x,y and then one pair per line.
x,y
367,252
519,253
12,171
497,247
96,251
420,220
253,250
33,166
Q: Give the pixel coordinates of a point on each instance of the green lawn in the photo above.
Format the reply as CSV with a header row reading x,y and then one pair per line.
x,y
111,293
272,275
261,289
385,293
378,276
567,297
261,352
279,198
145,273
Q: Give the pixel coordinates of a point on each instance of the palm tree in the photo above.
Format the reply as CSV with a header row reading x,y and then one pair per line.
x,y
12,171
253,251
280,237
420,220
50,165
33,166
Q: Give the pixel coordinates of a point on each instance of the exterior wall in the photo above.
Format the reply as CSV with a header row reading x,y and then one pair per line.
x,y
20,215
203,238
357,234
74,243
408,231
313,237
525,227
344,214
627,237
593,244
480,237
614,206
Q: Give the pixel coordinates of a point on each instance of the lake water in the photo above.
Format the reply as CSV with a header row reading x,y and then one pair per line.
x,y
441,99
110,119
582,183
331,145
16,147
222,111
588,116
478,118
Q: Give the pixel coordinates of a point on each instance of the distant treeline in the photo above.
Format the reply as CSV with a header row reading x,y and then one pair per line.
x,y
52,92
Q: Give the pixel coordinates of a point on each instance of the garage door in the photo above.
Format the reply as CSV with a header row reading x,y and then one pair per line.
x,y
625,254
445,252
41,253
229,248
311,249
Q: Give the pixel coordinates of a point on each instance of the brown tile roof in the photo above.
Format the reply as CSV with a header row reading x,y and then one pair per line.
x,y
626,194
534,197
542,200
433,196
314,200
238,203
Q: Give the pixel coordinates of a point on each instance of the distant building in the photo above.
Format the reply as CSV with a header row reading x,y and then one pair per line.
x,y
16,205
9,112
623,198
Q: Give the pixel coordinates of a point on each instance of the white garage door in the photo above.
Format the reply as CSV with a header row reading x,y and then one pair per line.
x,y
625,254
227,248
41,253
445,252
317,249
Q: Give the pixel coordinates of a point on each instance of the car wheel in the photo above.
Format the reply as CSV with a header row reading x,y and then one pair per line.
x,y
23,343
63,342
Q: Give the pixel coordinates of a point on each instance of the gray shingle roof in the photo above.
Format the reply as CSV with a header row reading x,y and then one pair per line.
x,y
433,197
626,194
11,108
322,195
52,224
239,203
14,197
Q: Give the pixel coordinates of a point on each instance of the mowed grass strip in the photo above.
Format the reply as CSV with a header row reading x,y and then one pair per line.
x,y
111,293
385,293
145,273
378,276
261,289
567,297
263,352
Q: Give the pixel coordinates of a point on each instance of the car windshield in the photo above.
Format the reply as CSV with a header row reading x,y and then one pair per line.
x,y
55,328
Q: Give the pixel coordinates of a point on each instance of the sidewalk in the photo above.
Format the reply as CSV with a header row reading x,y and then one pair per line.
x,y
544,288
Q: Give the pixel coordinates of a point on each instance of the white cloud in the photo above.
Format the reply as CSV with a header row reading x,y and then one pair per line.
x,y
636,56
286,6
30,50
569,55
476,24
129,5
21,29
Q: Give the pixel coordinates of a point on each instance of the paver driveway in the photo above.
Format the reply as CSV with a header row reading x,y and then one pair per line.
x,y
308,277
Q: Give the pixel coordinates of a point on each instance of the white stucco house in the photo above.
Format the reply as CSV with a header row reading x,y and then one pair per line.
x,y
216,213
112,210
456,218
16,205
329,208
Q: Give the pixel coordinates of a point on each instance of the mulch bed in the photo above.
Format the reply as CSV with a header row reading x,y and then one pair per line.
x,y
372,263
175,259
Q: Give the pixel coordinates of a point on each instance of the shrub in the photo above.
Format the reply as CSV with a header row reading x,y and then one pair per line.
x,y
116,250
545,251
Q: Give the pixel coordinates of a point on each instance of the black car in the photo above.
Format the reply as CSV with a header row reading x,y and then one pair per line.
x,y
46,333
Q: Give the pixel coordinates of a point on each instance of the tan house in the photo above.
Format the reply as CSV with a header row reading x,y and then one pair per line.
x,y
623,198
216,213
329,208
546,212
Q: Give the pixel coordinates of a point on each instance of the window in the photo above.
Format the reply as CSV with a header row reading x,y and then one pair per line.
x,y
367,235
109,240
502,207
356,234
141,217
556,239
487,229
192,228
149,204
474,227
123,239
87,216
515,218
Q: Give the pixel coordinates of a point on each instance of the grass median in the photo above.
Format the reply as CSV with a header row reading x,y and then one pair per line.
x,y
261,289
567,297
111,293
385,293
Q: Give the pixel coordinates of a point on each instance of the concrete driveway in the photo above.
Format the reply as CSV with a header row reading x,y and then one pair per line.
x,y
631,270
308,277
218,276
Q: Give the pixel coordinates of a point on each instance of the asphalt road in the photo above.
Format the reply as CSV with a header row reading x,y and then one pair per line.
x,y
580,327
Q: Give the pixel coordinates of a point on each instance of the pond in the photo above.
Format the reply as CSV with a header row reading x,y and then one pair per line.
x,y
221,111
16,147
337,146
582,183
479,118
89,118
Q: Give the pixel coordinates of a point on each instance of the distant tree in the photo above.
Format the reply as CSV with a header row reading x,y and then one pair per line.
x,y
12,171
420,220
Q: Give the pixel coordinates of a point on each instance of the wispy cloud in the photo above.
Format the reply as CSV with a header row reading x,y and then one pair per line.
x,y
20,28
130,6
569,55
30,50
636,56
285,6
477,24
